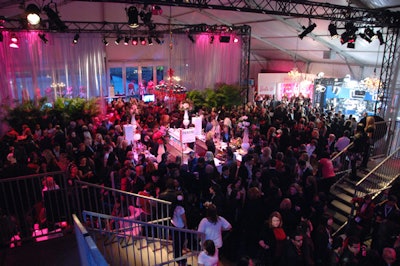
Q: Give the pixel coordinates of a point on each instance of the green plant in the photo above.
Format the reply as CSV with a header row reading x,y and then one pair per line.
x,y
222,95
63,111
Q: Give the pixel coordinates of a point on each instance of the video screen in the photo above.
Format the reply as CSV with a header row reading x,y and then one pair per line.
x,y
148,98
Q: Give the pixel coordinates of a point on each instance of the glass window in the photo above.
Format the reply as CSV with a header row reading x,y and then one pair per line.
x,y
116,81
160,73
147,78
132,77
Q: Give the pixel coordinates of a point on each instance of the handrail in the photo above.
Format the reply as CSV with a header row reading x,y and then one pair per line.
x,y
123,192
378,166
341,152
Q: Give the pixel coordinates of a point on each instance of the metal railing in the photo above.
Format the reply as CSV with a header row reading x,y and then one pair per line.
x,y
34,212
110,201
382,139
134,242
381,177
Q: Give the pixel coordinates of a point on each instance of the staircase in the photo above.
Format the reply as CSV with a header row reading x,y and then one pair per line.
x,y
378,177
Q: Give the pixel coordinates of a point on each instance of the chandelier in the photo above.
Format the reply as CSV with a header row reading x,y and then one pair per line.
x,y
294,73
372,83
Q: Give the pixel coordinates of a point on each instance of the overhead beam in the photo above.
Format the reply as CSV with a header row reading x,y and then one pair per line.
x,y
305,9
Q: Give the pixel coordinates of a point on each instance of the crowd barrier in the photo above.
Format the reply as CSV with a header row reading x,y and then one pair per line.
x,y
134,242
89,253
32,212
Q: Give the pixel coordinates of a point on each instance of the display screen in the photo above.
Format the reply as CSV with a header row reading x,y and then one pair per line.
x,y
148,98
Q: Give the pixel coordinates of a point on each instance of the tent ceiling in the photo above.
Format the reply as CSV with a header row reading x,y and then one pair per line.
x,y
273,37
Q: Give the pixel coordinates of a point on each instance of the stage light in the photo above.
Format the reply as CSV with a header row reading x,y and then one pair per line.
x,y
224,39
307,30
14,42
191,38
349,35
142,41
158,41
105,42
365,37
146,17
150,41
380,37
236,40
370,33
156,10
76,38
118,40
132,14
42,36
212,39
333,31
126,40
55,23
135,41
32,14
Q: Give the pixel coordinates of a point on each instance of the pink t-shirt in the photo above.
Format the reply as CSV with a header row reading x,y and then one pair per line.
x,y
326,168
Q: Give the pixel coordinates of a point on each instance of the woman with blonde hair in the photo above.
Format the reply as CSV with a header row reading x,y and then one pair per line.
x,y
272,240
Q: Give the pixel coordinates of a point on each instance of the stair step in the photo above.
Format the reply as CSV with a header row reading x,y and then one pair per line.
x,y
345,187
341,207
340,218
343,197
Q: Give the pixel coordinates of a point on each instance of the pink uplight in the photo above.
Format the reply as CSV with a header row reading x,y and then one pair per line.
x,y
14,45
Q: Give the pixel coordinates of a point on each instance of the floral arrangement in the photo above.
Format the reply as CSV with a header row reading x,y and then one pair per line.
x,y
243,123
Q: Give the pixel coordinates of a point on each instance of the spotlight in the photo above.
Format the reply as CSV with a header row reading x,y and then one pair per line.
x,y
135,41
351,45
55,23
307,30
236,40
349,35
76,38
212,39
142,41
105,42
146,17
365,37
191,38
150,41
158,41
14,43
42,36
118,40
126,40
380,37
370,33
132,14
32,16
333,31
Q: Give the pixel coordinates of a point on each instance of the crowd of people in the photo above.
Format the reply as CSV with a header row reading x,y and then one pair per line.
x,y
272,206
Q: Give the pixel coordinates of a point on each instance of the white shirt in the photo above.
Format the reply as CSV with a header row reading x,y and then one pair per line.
x,y
214,231
208,260
177,220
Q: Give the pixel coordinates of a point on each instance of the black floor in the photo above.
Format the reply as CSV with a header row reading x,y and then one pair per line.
x,y
59,251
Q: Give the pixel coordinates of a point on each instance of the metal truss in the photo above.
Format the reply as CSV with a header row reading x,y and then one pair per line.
x,y
387,78
114,29
294,8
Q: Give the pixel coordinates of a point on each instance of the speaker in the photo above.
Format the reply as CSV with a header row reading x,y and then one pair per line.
x,y
225,39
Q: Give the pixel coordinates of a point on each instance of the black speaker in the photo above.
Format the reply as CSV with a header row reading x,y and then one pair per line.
x,y
224,39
